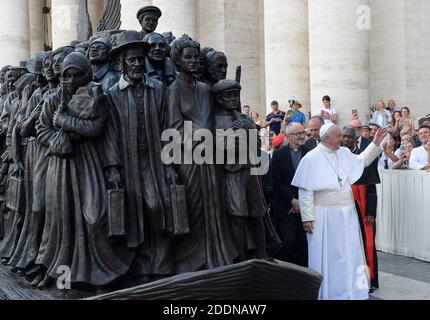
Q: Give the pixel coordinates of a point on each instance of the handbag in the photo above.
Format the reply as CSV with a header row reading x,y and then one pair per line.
x,y
180,219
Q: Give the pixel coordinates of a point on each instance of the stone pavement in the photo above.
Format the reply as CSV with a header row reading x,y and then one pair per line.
x,y
402,278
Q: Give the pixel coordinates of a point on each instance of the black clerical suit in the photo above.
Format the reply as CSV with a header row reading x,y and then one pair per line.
x,y
311,144
370,179
289,225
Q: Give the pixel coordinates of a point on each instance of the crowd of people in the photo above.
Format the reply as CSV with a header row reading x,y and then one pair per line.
x,y
289,139
406,147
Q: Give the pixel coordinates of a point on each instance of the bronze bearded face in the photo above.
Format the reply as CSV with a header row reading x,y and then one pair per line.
x,y
134,63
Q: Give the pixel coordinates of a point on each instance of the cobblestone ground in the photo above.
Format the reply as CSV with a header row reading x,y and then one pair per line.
x,y
402,278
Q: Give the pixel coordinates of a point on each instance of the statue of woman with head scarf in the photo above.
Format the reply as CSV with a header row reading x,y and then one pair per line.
x,y
76,189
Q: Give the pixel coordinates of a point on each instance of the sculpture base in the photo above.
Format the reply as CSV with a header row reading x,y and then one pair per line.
x,y
250,280
14,287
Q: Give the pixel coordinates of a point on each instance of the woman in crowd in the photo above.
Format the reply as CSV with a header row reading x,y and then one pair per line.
x,y
405,138
328,113
395,121
381,117
405,155
406,124
388,158
256,119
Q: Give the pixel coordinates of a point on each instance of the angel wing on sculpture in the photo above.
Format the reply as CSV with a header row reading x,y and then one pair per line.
x,y
85,28
111,19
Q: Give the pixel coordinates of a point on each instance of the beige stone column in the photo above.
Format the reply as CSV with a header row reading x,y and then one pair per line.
x,y
129,10
14,32
387,66
64,21
95,9
37,33
234,27
179,16
211,24
287,52
339,55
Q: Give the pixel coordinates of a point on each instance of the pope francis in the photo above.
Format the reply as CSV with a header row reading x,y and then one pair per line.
x,y
324,178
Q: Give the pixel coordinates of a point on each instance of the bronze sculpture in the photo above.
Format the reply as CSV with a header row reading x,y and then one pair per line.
x,y
217,66
85,133
99,58
14,214
148,18
24,150
158,65
209,244
77,189
252,229
138,109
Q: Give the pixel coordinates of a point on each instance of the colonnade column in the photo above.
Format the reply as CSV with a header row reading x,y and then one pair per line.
x,y
64,22
339,55
37,32
178,16
129,10
287,52
15,31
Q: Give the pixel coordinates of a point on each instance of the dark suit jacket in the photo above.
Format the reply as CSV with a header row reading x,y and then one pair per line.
x,y
282,174
370,178
311,144
371,173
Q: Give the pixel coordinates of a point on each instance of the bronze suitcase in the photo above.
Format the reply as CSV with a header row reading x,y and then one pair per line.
x,y
180,217
116,213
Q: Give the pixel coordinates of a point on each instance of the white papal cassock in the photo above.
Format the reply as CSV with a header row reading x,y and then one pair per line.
x,y
324,178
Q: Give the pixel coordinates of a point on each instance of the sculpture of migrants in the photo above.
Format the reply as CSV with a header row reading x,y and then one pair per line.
x,y
84,180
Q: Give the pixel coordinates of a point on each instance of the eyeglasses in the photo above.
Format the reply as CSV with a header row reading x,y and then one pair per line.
x,y
298,134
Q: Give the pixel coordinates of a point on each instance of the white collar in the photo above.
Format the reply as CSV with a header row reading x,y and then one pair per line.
x,y
326,149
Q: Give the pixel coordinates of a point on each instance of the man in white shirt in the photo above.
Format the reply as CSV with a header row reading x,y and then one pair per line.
x,y
420,157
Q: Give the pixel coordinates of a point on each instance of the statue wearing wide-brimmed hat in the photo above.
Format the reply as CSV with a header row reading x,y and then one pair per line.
x,y
138,113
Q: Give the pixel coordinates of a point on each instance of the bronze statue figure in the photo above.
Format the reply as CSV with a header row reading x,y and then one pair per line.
x,y
252,229
217,66
138,111
158,65
14,213
210,243
100,60
72,125
23,150
148,18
